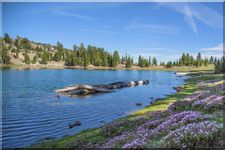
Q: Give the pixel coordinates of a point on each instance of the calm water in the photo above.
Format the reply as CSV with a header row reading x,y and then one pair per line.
x,y
31,110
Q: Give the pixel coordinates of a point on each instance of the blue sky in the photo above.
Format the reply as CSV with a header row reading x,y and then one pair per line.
x,y
164,30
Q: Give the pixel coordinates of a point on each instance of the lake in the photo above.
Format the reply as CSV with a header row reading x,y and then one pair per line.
x,y
32,111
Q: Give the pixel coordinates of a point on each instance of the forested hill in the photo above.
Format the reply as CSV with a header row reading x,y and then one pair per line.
x,y
22,51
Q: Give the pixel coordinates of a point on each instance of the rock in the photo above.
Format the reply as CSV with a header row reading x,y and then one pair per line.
x,y
152,102
146,82
76,123
131,83
140,82
178,89
138,104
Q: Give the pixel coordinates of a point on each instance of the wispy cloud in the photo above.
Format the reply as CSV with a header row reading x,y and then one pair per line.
x,y
99,31
218,47
197,12
155,28
75,15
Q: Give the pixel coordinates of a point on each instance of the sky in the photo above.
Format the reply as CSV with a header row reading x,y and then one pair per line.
x,y
161,30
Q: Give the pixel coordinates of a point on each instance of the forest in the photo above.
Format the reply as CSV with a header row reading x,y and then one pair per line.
x,y
91,55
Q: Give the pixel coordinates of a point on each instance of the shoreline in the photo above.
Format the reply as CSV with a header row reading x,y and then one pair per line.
x,y
189,88
91,67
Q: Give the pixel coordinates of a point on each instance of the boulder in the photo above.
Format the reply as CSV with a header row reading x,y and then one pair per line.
x,y
76,123
138,104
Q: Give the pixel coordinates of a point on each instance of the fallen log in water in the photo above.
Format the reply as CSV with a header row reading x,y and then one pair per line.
x,y
84,90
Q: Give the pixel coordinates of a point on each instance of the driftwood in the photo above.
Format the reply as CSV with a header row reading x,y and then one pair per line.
x,y
84,90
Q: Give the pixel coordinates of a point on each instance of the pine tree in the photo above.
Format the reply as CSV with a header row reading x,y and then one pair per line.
x,y
7,38
26,58
116,58
154,61
5,59
34,59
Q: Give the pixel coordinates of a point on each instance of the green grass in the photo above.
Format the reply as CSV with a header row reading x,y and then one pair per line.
x,y
162,104
95,136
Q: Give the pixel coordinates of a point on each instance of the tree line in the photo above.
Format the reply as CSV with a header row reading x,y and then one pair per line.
x,y
189,60
91,55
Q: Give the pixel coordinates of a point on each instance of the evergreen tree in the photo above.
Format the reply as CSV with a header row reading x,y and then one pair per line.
x,y
57,56
5,59
7,38
154,61
206,61
198,60
169,64
26,58
211,60
25,44
116,58
129,62
34,60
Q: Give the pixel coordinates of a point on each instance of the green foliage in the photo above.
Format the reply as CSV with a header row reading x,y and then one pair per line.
x,y
26,58
5,59
154,61
220,65
13,50
7,38
45,57
84,56
25,44
59,46
116,59
17,43
142,62
169,64
17,53
34,59
129,62
57,56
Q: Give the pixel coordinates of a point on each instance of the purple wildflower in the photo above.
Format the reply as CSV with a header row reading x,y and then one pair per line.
x,y
192,134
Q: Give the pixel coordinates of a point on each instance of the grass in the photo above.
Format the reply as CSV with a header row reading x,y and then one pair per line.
x,y
95,135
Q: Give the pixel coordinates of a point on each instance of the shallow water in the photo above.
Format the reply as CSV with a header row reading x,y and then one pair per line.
x,y
31,110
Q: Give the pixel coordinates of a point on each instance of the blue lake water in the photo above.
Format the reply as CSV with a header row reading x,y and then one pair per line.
x,y
31,110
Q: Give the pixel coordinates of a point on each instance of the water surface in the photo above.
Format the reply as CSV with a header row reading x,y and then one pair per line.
x,y
31,110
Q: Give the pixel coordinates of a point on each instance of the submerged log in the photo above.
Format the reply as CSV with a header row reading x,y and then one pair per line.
x,y
84,90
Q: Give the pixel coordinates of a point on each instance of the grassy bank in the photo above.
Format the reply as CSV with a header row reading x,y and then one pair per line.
x,y
158,125
210,67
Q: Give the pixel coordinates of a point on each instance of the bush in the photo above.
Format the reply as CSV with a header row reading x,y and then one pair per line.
x,y
26,58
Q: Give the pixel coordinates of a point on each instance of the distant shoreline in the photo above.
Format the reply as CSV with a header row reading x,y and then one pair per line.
x,y
91,67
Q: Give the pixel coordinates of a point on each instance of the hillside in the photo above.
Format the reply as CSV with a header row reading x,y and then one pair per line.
x,y
23,53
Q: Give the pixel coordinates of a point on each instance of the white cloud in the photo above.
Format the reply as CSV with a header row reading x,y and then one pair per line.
x,y
82,17
218,47
197,12
156,28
